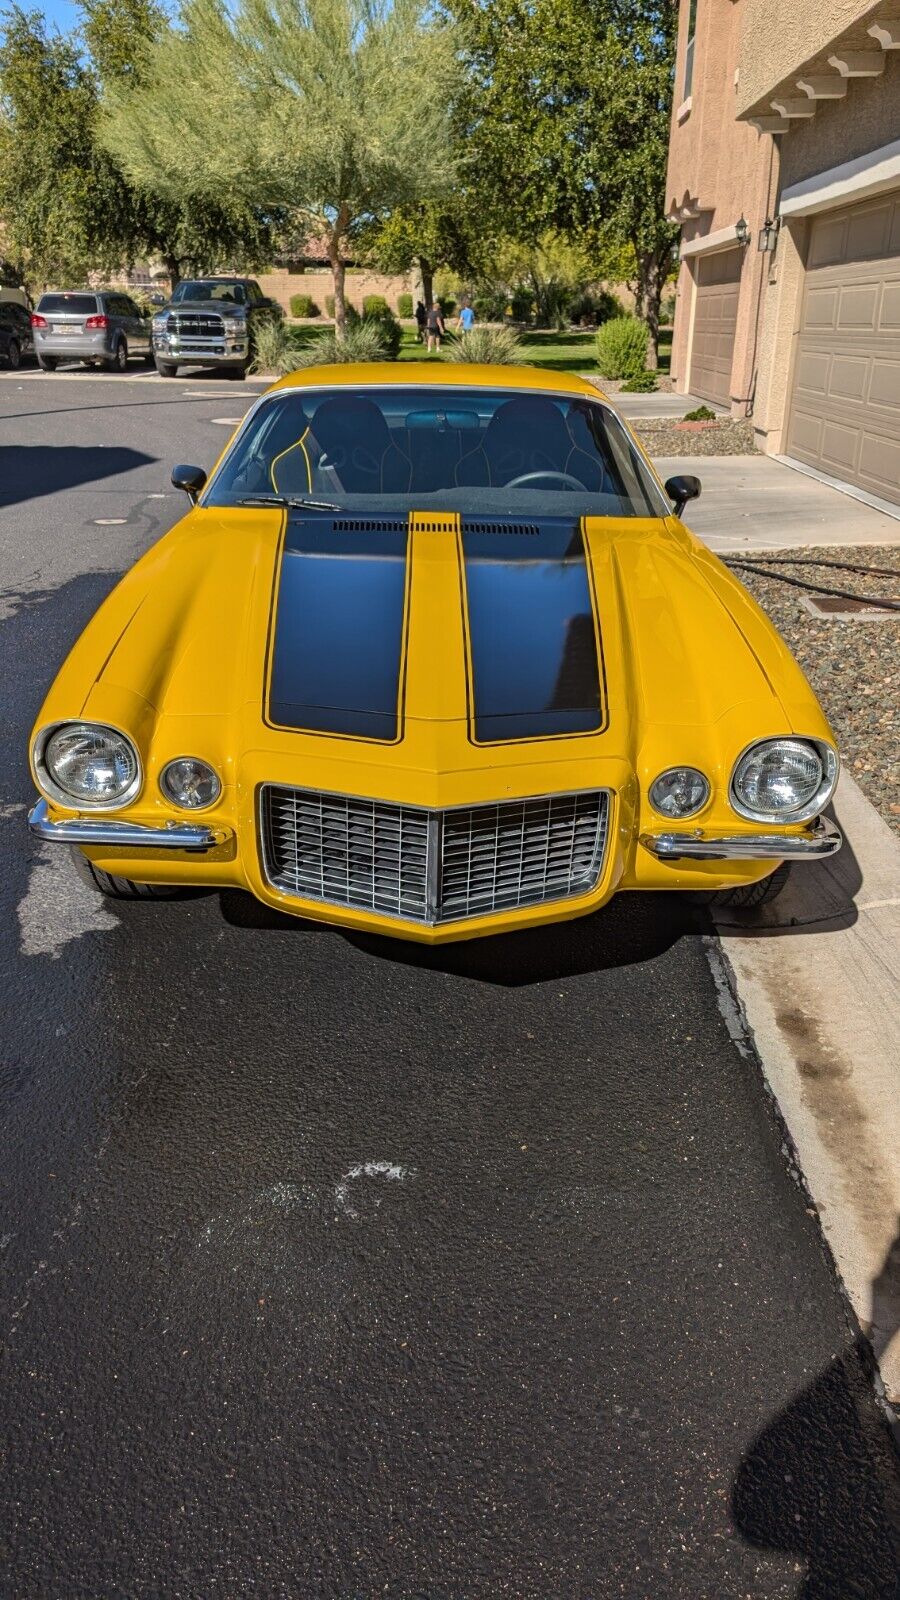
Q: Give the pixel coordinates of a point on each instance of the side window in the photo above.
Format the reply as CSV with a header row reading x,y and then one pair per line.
x,y
255,293
689,49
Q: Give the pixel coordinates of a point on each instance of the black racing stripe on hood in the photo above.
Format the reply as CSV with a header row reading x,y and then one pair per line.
x,y
338,649
536,672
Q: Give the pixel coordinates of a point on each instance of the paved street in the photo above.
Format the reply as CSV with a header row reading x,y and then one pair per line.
x,y
338,1268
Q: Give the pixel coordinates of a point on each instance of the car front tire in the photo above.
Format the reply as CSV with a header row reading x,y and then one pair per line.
x,y
124,888
748,896
166,369
14,355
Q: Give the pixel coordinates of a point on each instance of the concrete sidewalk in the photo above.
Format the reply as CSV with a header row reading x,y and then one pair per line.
x,y
756,502
652,407
818,976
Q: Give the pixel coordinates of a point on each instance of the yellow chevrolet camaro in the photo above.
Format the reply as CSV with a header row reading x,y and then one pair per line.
x,y
432,655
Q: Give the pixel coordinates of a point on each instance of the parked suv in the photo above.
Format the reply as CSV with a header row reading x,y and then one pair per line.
x,y
101,327
211,322
15,333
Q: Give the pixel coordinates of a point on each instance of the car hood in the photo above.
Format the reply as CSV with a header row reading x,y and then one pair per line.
x,y
224,306
437,644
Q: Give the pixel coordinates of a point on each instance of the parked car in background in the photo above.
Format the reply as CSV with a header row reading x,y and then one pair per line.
x,y
98,327
15,333
211,322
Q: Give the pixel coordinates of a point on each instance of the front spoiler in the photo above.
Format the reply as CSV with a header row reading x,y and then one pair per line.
x,y
822,839
80,830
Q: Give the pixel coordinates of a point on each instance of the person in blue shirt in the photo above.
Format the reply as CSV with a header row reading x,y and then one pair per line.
x,y
465,322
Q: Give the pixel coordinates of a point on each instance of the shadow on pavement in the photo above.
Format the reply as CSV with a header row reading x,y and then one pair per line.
x,y
809,1486
28,471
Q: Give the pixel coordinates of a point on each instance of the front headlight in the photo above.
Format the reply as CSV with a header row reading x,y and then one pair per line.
x,y
784,780
159,324
679,792
87,764
190,782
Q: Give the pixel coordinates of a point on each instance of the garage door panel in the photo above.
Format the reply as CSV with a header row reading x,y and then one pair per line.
x,y
840,447
889,321
879,465
849,378
845,403
884,389
858,308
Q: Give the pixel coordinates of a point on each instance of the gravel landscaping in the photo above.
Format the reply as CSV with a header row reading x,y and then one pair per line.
x,y
663,437
853,666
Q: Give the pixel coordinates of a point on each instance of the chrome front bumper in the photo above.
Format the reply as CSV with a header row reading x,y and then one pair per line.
x,y
82,830
822,839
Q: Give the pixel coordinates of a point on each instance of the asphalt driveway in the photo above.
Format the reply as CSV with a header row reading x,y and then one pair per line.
x,y
337,1268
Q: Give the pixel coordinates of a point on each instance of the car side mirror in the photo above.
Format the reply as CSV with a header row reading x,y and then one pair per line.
x,y
190,479
682,489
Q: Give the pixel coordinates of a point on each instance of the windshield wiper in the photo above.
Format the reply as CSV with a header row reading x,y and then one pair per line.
x,y
293,502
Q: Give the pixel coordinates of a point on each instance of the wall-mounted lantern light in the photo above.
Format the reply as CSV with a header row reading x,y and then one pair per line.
x,y
767,238
742,231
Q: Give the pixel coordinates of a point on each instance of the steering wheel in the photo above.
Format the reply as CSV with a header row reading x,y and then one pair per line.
x,y
529,477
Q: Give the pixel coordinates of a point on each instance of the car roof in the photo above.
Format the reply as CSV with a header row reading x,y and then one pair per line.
x,y
462,374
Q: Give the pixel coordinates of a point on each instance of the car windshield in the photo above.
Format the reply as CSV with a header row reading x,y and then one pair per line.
x,y
207,289
467,450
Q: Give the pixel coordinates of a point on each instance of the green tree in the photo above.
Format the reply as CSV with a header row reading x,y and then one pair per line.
x,y
190,231
333,110
64,206
566,110
422,239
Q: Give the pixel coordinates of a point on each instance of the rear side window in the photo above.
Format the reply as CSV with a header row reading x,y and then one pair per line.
x,y
81,305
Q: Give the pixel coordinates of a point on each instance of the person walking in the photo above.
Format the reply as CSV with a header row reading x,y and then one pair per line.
x,y
434,326
465,322
421,319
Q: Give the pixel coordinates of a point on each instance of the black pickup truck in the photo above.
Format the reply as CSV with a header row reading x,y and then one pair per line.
x,y
210,322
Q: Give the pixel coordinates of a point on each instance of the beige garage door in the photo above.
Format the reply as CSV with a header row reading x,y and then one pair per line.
x,y
715,316
845,404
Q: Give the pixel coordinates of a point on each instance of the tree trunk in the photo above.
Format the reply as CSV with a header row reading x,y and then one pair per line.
x,y
426,274
339,270
650,286
172,265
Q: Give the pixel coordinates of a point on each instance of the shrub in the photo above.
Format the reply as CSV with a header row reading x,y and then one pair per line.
x,y
522,304
490,305
404,305
447,305
607,306
363,341
389,330
495,346
701,414
329,305
642,383
374,305
582,309
303,305
272,351
622,347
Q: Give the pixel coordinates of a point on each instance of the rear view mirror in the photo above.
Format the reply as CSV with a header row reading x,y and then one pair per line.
x,y
682,489
190,479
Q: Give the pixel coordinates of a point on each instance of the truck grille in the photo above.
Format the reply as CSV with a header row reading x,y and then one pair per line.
x,y
432,866
194,325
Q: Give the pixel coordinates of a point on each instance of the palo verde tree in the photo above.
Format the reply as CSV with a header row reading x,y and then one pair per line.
x,y
334,111
188,231
64,206
565,110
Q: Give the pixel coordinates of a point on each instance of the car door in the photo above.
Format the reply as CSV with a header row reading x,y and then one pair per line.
x,y
139,334
6,329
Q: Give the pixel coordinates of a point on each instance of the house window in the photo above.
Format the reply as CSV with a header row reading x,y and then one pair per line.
x,y
689,48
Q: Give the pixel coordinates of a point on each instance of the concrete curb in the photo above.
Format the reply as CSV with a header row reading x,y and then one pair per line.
x,y
818,976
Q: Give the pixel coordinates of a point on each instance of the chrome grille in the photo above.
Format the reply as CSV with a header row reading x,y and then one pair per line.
x,y
432,866
196,325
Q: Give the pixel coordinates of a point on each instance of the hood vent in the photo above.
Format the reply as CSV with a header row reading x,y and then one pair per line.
x,y
369,525
436,524
521,530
